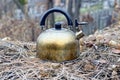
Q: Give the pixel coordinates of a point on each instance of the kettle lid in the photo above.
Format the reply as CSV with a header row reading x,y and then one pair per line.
x,y
58,28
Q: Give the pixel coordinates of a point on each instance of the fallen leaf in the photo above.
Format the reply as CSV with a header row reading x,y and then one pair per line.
x,y
89,44
116,51
114,73
89,67
118,60
114,44
99,37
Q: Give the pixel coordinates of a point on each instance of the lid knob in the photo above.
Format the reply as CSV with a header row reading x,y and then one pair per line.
x,y
58,26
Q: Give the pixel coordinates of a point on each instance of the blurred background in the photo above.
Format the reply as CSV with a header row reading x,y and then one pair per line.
x,y
19,19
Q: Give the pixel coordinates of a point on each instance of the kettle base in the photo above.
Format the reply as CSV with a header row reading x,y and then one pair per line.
x,y
57,53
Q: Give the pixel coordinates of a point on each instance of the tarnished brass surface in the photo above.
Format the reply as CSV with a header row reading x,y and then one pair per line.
x,y
79,35
57,45
55,52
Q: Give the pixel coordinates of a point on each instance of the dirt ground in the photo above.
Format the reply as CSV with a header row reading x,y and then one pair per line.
x,y
99,59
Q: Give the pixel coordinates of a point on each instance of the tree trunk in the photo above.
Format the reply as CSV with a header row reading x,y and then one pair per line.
x,y
19,5
77,9
0,14
77,4
5,7
50,19
76,12
23,8
69,8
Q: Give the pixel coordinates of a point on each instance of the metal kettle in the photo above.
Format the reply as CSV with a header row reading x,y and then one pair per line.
x,y
58,44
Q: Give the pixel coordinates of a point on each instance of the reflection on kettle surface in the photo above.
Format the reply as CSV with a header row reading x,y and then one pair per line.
x,y
58,44
56,52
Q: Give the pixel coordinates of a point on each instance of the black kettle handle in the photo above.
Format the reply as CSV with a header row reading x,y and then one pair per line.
x,y
43,18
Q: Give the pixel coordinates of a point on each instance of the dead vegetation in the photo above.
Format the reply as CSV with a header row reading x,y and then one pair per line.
x,y
99,60
24,30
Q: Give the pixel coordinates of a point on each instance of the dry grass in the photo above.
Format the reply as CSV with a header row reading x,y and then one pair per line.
x,y
18,62
23,30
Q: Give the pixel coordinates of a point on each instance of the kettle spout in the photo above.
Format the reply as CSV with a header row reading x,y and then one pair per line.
x,y
79,35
